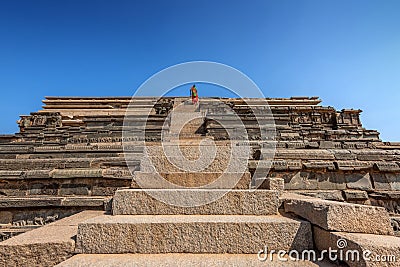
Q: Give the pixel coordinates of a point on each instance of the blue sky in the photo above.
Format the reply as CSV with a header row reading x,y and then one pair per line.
x,y
345,51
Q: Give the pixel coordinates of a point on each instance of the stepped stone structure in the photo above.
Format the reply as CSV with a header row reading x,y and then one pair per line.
x,y
76,191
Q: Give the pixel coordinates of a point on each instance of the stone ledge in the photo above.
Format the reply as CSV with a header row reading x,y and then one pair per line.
x,y
339,216
44,246
180,259
385,194
233,234
51,201
235,202
381,245
356,195
181,180
334,195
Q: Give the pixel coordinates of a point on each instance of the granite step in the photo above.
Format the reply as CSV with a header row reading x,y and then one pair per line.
x,y
372,250
233,234
44,246
53,201
339,216
205,180
203,163
181,259
235,202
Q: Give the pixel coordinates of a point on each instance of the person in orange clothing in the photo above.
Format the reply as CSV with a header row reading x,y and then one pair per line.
x,y
194,95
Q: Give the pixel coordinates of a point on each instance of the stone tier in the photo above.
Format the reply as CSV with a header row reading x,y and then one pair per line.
x,y
45,246
206,180
181,259
234,202
384,250
234,234
25,213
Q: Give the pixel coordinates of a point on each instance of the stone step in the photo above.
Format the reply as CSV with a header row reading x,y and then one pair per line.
x,y
372,250
180,164
182,259
117,172
175,161
184,137
339,216
44,246
53,201
193,149
235,202
205,180
233,234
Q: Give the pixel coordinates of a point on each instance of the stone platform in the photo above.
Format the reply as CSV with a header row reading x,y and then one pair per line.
x,y
45,246
240,222
233,234
183,259
232,202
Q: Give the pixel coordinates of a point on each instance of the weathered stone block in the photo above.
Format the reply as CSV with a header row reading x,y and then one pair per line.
x,y
6,217
191,234
117,173
372,155
335,195
387,167
384,250
314,181
37,174
304,154
356,195
296,145
342,154
326,144
358,181
84,201
185,259
272,183
73,189
279,165
294,165
76,173
106,190
43,189
319,165
330,181
180,164
301,181
386,181
234,202
339,216
5,175
22,191
354,165
24,202
192,180
44,246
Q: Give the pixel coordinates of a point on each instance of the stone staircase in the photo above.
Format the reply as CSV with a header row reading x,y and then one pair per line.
x,y
72,156
241,222
188,158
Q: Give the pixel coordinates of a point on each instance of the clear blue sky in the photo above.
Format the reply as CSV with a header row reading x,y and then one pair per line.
x,y
345,51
